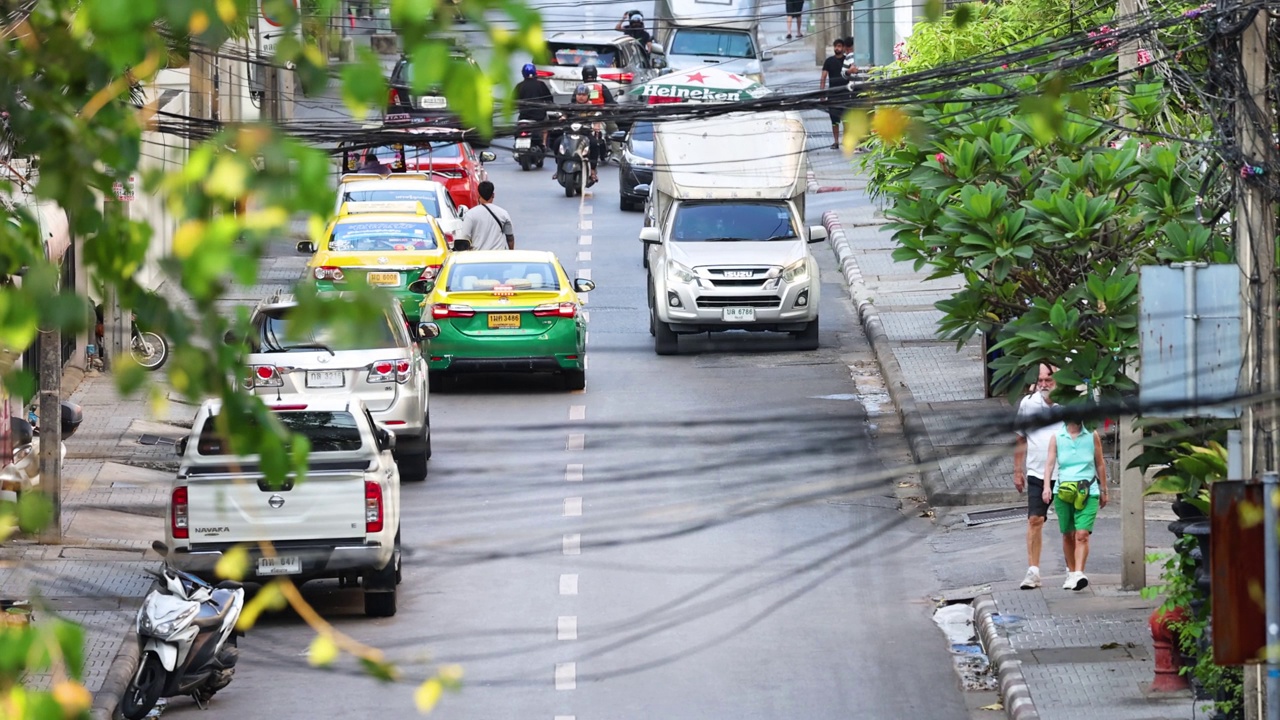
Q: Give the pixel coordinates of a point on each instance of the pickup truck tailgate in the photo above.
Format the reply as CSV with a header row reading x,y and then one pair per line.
x,y
241,507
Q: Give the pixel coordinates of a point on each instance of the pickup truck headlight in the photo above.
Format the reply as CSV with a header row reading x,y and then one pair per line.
x,y
679,273
796,271
636,160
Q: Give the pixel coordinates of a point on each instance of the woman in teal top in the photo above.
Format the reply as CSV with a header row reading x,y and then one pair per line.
x,y
1075,455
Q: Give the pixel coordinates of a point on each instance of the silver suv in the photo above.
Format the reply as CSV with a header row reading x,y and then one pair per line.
x,y
389,375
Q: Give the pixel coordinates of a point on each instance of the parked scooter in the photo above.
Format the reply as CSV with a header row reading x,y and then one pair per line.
x,y
187,633
149,350
22,473
529,150
573,158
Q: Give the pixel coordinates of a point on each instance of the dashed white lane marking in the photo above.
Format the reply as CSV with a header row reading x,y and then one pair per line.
x,y
586,337
585,224
567,627
588,210
585,273
577,412
571,544
565,717
584,256
584,240
566,676
586,362
569,584
577,441
573,472
586,316
573,507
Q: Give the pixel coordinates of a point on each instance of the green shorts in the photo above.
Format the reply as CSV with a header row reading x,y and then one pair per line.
x,y
1070,519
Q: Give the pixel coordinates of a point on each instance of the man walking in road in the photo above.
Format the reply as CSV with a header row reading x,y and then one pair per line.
x,y
1029,458
487,226
832,70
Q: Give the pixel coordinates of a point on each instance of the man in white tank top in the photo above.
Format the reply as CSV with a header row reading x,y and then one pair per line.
x,y
1029,456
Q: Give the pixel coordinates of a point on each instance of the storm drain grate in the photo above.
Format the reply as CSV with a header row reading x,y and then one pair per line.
x,y
156,440
986,517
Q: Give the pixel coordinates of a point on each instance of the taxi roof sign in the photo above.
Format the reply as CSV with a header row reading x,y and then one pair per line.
x,y
406,207
361,177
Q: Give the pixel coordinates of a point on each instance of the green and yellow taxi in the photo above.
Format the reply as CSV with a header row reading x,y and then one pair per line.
x,y
387,245
507,311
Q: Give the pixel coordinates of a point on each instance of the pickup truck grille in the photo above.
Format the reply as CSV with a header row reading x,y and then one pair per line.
x,y
737,283
755,301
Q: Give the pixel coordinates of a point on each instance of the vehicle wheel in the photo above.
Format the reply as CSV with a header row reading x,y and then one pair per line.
x,y
644,255
653,315
574,379
570,186
524,163
807,339
539,163
380,591
427,424
624,204
665,340
149,350
413,465
399,561
144,690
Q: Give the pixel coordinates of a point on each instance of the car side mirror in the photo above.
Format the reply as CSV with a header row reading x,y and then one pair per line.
x,y
422,287
180,447
656,48
766,56
385,439
462,210
583,285
70,416
650,235
306,247
817,233
428,330
618,136
460,244
641,189
487,156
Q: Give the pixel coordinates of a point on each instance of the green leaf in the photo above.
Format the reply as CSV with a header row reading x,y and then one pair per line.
x,y
35,510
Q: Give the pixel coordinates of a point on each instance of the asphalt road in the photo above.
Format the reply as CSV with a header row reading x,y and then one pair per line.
x,y
711,535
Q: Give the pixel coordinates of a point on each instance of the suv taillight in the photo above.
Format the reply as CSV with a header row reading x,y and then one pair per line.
x,y
266,376
440,312
372,507
178,515
545,74
390,371
567,310
329,272
393,97
624,77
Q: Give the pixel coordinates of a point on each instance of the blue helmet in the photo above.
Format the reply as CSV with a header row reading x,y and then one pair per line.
x,y
528,70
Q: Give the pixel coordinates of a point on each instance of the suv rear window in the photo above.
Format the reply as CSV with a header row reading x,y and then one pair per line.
x,y
271,335
327,431
579,54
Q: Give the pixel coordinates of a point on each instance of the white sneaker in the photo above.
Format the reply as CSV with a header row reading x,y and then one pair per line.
x,y
1032,580
1070,583
1082,582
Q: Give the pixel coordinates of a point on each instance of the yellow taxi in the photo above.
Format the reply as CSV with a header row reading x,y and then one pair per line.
x,y
388,245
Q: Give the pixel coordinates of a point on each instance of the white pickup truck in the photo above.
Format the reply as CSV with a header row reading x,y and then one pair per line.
x,y
341,521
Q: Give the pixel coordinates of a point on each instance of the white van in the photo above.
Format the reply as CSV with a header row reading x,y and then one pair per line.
x,y
724,34
729,247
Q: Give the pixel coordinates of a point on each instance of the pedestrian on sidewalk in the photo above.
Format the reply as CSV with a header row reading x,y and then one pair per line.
x,y
487,227
1030,453
795,9
1075,456
832,71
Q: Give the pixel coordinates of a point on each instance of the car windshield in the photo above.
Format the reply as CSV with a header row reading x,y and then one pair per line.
x,y
437,151
516,275
730,221
274,333
427,197
716,43
327,431
642,132
578,54
382,236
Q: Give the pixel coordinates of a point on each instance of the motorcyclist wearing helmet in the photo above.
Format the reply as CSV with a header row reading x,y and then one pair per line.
x,y
632,23
583,110
533,97
591,77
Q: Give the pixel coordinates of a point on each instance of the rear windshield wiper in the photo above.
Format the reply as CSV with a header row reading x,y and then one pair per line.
x,y
303,346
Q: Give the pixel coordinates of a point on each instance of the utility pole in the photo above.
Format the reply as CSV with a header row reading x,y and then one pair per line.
x,y
1255,234
51,430
114,327
826,31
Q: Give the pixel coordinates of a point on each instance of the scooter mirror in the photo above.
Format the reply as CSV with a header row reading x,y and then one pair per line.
x,y
71,415
20,433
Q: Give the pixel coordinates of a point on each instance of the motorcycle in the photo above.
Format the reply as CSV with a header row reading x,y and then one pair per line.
x,y
187,633
573,158
529,150
149,350
22,473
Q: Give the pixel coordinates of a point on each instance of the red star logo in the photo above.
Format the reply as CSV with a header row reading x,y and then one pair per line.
x,y
735,77
697,77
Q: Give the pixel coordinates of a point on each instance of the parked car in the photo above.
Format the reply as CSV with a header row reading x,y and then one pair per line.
x,y
342,522
412,187
621,61
636,165
429,106
383,244
507,311
384,369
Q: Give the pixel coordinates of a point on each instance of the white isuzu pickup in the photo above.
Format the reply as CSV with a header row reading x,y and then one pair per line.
x,y
342,520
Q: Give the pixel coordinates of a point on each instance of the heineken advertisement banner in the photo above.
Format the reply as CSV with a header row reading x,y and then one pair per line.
x,y
702,86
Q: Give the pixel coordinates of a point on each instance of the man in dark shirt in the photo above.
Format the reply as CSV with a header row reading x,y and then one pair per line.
x,y
533,97
832,70
632,23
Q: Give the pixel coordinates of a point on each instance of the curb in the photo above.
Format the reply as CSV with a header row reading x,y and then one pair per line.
x,y
1014,691
811,187
922,450
107,700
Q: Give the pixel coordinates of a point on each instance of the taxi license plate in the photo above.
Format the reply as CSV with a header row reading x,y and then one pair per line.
x,y
280,565
504,320
325,378
383,278
522,143
743,314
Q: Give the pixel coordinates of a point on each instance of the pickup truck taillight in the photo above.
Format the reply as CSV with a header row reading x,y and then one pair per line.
x,y
178,515
390,371
372,507
622,77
